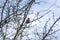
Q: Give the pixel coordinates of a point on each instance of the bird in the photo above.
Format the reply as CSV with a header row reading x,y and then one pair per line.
x,y
5,21
28,20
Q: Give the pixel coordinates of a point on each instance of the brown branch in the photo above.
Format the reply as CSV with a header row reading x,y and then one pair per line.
x,y
41,16
54,32
2,12
50,28
25,15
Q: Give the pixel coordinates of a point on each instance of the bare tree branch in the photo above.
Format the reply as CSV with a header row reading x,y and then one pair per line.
x,y
50,29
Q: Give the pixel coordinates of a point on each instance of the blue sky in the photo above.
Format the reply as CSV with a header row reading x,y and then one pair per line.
x,y
44,5
54,6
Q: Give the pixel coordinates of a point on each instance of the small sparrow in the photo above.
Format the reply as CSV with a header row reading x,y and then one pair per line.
x,y
28,20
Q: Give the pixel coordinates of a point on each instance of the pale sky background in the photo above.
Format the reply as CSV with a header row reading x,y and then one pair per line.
x,y
43,7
